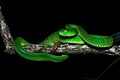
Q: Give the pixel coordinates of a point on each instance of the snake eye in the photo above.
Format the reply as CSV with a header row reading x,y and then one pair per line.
x,y
65,30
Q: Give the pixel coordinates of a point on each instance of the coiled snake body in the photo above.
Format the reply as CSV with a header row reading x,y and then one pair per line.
x,y
71,34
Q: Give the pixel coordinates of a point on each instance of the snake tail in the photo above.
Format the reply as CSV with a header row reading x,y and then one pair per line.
x,y
19,42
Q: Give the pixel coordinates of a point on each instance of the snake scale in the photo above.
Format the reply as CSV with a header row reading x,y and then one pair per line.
x,y
71,34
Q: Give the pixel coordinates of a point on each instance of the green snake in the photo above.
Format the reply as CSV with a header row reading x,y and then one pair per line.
x,y
71,34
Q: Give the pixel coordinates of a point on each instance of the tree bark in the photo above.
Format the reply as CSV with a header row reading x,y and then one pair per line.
x,y
6,35
73,49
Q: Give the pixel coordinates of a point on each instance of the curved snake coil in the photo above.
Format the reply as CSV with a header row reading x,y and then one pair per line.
x,y
71,34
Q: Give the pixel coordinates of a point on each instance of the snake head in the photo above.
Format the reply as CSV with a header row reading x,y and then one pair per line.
x,y
68,32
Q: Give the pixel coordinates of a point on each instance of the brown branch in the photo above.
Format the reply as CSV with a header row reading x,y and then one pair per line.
x,y
6,35
73,49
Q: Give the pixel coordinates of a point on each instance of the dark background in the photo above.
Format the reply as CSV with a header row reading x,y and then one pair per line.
x,y
34,21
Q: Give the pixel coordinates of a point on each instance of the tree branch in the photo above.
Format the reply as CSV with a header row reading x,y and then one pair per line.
x,y
73,49
6,35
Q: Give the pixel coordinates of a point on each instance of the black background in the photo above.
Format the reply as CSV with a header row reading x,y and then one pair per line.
x,y
35,20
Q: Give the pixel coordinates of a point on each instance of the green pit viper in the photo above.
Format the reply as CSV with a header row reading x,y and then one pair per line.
x,y
71,34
